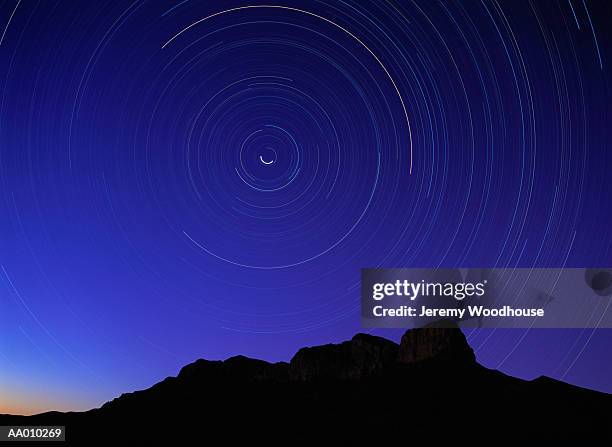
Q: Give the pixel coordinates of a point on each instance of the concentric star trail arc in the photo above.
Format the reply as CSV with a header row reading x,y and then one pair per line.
x,y
331,22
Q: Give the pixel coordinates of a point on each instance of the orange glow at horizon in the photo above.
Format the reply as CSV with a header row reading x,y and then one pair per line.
x,y
33,403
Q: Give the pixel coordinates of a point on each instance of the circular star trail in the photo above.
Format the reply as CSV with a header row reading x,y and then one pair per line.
x,y
330,133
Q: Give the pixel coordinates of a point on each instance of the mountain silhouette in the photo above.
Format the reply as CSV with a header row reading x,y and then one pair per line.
x,y
430,384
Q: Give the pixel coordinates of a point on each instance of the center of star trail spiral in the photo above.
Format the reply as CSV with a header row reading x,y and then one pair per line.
x,y
306,148
260,150
271,155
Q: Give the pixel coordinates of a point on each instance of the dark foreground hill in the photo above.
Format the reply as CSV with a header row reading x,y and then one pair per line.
x,y
429,384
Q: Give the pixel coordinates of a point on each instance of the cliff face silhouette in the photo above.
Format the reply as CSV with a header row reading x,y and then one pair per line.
x,y
428,384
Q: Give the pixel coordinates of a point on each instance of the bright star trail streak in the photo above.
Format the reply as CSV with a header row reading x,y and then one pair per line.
x,y
399,95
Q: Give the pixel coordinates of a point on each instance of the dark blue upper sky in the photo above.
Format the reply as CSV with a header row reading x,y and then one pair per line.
x,y
219,195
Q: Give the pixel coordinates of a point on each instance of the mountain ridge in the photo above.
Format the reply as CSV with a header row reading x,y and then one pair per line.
x,y
432,369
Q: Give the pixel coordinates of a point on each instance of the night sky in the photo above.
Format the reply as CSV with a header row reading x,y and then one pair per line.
x,y
203,179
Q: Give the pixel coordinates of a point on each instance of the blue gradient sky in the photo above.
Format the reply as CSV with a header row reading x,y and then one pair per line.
x,y
140,230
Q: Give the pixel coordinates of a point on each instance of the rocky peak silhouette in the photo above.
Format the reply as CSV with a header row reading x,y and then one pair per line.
x,y
442,341
430,375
